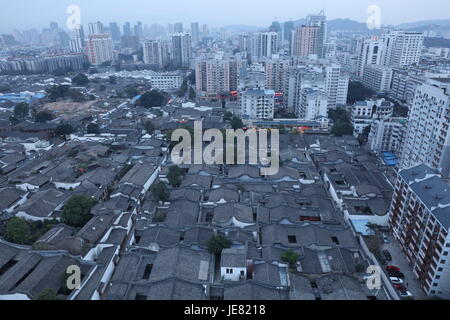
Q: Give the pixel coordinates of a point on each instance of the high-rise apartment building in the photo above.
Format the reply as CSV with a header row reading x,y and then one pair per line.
x,y
114,30
369,53
313,104
217,75
419,220
195,32
310,38
178,27
258,104
428,136
264,44
320,21
99,48
401,48
304,41
77,42
156,53
287,30
96,28
181,50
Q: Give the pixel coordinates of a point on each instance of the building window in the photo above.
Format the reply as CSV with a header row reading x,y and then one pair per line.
x,y
292,239
229,271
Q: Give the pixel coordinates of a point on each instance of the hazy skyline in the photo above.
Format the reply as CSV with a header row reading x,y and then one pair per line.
x,y
29,14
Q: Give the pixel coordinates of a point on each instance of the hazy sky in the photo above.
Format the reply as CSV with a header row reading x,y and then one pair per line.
x,y
27,14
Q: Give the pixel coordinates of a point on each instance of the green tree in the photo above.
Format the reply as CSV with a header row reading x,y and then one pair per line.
x,y
77,211
290,257
112,80
152,99
149,127
160,192
358,92
192,94
175,176
217,243
43,116
342,122
80,79
236,123
18,231
93,128
21,110
63,129
57,92
47,294
131,92
76,96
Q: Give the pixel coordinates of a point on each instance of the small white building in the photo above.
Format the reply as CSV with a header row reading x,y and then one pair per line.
x,y
233,264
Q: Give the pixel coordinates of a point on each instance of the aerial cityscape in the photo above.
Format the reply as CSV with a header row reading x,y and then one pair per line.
x,y
210,156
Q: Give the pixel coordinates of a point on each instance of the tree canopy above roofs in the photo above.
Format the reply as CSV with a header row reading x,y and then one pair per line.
x,y
80,79
21,110
152,99
77,211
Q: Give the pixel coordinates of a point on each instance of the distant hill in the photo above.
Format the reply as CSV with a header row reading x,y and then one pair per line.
x,y
242,28
424,23
437,42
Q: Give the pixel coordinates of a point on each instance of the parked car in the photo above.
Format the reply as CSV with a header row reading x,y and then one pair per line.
x,y
405,294
387,255
396,280
392,268
396,274
385,239
400,287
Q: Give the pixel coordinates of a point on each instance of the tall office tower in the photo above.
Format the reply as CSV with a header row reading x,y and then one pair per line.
x,y
277,71
258,104
244,42
264,44
32,36
178,27
96,28
77,42
319,21
418,218
287,30
428,135
401,48
115,31
127,29
205,30
304,41
369,53
155,53
54,26
138,30
99,48
181,50
276,27
2,43
195,32
156,31
130,42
